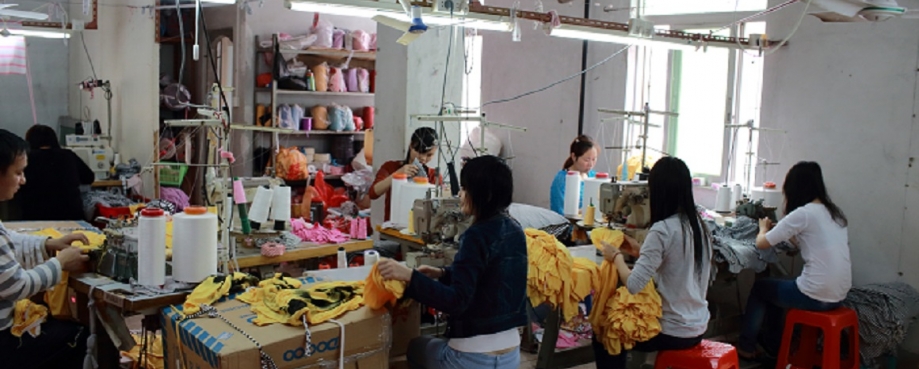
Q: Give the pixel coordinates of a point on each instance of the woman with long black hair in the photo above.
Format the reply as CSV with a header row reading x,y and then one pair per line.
x,y
677,255
819,228
421,150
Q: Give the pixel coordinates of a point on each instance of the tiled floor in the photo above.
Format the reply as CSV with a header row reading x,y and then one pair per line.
x,y
528,361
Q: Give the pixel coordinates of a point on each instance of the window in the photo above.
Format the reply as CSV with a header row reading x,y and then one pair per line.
x,y
472,77
671,7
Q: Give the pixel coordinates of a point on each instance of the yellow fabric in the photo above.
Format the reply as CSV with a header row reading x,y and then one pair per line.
x,y
586,277
27,317
379,292
549,273
610,236
273,302
56,298
154,357
620,319
634,164
215,287
96,240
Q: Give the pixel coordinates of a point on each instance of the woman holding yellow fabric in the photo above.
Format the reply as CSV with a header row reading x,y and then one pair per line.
x,y
676,255
484,291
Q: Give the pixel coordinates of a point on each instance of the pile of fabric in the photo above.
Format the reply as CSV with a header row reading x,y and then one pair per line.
x,y
549,273
280,300
214,288
27,318
885,312
379,293
620,319
315,233
736,245
96,239
104,198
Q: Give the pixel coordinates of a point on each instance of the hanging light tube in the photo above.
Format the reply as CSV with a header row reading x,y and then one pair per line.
x,y
38,33
370,9
602,35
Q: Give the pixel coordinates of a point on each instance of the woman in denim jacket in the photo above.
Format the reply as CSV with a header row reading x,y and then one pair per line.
x,y
484,291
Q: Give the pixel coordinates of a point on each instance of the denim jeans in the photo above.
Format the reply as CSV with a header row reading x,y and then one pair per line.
x,y
661,342
768,301
428,352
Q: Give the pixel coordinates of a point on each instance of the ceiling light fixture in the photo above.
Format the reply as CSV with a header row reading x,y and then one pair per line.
x,y
228,2
601,35
370,9
35,33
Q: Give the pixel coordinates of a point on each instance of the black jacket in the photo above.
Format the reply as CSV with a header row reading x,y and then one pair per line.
x,y
52,189
484,291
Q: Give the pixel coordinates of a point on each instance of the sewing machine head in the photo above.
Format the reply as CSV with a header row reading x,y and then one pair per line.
x,y
439,221
626,203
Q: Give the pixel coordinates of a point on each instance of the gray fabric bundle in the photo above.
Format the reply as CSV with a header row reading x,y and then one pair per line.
x,y
885,312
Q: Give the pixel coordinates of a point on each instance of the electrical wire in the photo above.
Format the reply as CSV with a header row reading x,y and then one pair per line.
x,y
793,30
182,43
86,50
566,79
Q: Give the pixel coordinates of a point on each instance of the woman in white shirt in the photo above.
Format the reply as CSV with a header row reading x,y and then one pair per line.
x,y
818,228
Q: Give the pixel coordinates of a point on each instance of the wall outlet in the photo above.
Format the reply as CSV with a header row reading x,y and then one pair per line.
x,y
78,24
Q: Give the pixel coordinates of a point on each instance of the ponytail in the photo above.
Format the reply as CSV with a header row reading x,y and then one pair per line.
x,y
581,145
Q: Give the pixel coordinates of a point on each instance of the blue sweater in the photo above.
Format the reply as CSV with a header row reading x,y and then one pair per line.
x,y
557,192
484,291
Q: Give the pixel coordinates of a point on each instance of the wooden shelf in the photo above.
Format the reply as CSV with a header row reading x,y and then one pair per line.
x,y
315,93
248,258
282,131
330,53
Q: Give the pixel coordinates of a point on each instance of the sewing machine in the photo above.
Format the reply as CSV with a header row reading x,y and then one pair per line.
x,y
438,222
94,152
626,203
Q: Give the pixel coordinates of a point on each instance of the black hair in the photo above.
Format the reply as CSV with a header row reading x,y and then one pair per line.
x,y
423,140
489,186
11,146
804,184
670,189
579,147
40,136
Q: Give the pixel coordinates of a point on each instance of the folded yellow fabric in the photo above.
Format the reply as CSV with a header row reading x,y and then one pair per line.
x,y
283,303
549,274
378,292
27,317
620,319
215,287
586,277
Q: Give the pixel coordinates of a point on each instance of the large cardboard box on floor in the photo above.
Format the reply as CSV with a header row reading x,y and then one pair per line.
x,y
211,343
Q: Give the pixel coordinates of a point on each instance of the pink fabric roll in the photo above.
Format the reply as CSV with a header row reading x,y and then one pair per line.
x,y
273,249
239,193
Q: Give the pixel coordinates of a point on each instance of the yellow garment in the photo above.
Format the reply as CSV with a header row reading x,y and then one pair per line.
x,y
611,236
27,317
319,303
215,287
56,298
378,293
95,239
620,319
634,163
154,357
586,277
549,272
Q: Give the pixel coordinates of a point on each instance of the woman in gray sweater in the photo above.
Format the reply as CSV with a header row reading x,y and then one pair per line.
x,y
677,255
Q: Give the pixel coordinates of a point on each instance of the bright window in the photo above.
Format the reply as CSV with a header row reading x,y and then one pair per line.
x,y
472,77
670,7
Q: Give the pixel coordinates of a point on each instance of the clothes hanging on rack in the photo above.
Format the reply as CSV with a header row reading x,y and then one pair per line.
x,y
13,55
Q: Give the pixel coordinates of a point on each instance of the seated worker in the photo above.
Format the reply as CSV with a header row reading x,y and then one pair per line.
x,y
55,175
581,158
421,151
483,316
676,255
819,229
27,267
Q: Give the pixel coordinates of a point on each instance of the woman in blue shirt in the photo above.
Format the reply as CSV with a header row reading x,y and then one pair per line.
x,y
582,158
484,291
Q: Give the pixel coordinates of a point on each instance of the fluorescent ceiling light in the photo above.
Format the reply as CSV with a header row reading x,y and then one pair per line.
x,y
468,21
219,1
601,35
354,8
36,33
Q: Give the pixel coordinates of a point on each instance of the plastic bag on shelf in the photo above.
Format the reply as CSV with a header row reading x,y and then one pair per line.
x,y
324,34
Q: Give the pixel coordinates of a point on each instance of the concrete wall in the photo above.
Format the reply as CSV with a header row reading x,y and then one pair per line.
x,y
846,94
48,65
551,117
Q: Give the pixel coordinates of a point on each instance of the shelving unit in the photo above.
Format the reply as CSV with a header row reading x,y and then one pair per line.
x,y
272,97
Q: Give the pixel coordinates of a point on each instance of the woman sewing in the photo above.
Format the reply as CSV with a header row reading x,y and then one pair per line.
x,y
676,255
483,315
582,157
28,266
421,150
819,228
55,176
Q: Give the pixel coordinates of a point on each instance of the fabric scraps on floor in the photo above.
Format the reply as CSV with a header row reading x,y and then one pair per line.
x,y
27,318
153,357
620,319
885,312
316,233
214,288
378,292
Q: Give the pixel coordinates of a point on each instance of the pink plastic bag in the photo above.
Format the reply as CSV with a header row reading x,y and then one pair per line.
x,y
338,39
351,81
361,40
323,32
363,80
337,81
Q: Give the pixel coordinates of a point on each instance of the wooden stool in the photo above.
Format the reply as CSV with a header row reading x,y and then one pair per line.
x,y
831,323
706,355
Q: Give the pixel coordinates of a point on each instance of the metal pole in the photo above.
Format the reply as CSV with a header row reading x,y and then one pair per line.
x,y
644,136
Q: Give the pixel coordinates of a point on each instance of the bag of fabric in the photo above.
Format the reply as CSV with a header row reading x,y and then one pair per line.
x,y
358,123
360,40
320,117
337,81
324,34
285,117
336,118
291,164
321,73
351,81
338,38
296,112
363,80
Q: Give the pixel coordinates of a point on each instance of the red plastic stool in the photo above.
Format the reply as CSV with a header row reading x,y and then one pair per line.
x,y
706,355
832,324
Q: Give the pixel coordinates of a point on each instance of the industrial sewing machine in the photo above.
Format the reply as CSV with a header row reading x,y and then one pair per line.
x,y
626,205
438,222
94,151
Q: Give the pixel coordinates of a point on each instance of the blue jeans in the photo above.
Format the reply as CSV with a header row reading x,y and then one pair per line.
x,y
428,352
661,342
768,301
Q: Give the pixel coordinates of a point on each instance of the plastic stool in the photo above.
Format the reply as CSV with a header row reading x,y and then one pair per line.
x,y
706,355
831,323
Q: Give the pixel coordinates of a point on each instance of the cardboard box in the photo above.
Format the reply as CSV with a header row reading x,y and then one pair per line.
x,y
211,343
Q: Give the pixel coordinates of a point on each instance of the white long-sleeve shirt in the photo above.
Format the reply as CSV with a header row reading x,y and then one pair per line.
x,y
25,269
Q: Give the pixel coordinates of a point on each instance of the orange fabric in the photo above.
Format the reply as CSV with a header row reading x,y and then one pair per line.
x,y
378,293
